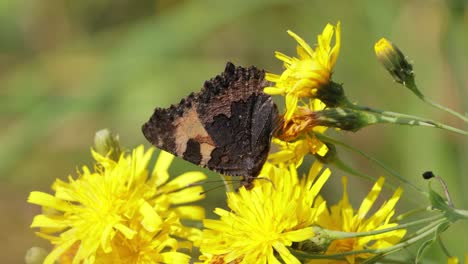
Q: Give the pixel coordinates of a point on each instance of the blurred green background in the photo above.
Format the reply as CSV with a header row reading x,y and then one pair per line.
x,y
70,68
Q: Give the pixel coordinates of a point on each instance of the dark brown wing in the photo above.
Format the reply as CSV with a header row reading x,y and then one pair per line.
x,y
227,127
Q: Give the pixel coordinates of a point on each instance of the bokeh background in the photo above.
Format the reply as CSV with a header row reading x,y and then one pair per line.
x,y
70,68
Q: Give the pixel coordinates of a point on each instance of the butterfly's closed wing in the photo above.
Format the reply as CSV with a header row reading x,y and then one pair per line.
x,y
226,127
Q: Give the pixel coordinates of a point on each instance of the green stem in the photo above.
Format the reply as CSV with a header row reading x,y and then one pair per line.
x,y
413,87
445,109
341,165
343,235
420,234
401,217
442,245
391,171
461,213
403,119
429,227
390,117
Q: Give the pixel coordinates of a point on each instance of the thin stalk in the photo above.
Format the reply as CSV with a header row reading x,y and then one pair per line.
x,y
396,118
343,235
442,245
462,213
423,229
341,165
370,158
445,109
413,87
427,231
410,213
404,119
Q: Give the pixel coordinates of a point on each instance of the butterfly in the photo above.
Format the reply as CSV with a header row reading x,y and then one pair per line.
x,y
226,127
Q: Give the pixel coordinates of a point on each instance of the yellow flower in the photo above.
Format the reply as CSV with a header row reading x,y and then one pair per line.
x,y
293,141
120,211
294,152
264,221
342,217
308,73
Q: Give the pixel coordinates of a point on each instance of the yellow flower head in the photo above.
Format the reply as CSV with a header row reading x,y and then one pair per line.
x,y
264,221
343,217
308,73
120,213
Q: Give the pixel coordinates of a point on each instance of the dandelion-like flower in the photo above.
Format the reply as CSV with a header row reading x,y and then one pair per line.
x,y
342,217
120,213
310,72
264,221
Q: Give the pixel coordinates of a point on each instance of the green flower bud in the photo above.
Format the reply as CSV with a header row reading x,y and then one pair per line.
x,y
394,61
332,94
344,118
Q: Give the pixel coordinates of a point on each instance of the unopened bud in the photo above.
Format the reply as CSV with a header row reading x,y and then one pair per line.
x,y
344,118
107,144
394,61
304,120
332,95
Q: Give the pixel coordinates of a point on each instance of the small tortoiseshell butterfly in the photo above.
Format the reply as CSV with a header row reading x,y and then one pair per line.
x,y
227,127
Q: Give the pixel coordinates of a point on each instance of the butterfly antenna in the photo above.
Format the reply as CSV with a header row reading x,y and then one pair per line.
x,y
211,189
269,180
210,181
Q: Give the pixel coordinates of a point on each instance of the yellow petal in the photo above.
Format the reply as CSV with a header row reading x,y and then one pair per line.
x,y
45,221
58,251
186,195
370,198
273,90
291,105
300,235
301,42
320,182
175,257
127,232
314,171
151,219
160,174
283,57
47,200
190,212
184,180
